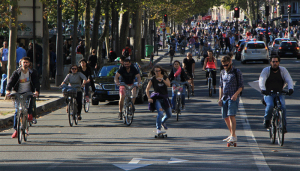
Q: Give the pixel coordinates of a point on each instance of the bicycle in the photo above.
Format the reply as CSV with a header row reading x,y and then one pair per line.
x,y
128,111
209,81
71,93
85,103
277,120
22,101
217,53
178,88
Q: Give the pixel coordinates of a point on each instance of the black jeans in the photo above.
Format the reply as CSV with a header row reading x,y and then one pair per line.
x,y
79,102
214,76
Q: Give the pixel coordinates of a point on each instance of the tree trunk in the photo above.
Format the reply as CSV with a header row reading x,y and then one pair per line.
x,y
74,43
46,59
104,35
114,27
87,29
137,35
13,26
124,30
59,47
95,34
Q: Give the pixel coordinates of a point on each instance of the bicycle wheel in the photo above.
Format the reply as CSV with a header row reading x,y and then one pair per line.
x,y
188,91
272,131
19,128
26,129
280,129
75,116
129,113
70,113
178,100
209,87
86,105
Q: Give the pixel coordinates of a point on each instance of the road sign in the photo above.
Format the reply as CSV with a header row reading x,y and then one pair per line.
x,y
162,25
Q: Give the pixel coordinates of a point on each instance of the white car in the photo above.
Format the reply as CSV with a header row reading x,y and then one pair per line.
x,y
255,51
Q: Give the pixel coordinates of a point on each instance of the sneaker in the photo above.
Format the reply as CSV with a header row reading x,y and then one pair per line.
x,y
266,123
232,139
164,125
183,107
87,99
14,135
120,115
215,91
158,131
79,117
30,118
226,139
193,93
34,121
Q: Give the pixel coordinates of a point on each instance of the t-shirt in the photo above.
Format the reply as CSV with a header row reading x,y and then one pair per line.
x,y
24,83
188,64
93,61
197,45
128,77
159,86
4,54
75,80
274,82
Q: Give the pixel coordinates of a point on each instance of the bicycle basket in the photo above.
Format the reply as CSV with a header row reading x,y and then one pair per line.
x,y
69,91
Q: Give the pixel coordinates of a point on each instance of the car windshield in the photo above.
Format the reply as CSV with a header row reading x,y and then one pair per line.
x,y
278,41
108,71
289,44
256,46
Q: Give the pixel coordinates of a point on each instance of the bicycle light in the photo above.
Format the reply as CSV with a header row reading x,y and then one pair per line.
x,y
178,93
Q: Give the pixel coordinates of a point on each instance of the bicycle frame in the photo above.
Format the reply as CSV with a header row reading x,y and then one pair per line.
x,y
209,80
128,106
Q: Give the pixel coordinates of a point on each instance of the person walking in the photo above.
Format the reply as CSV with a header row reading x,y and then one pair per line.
x,y
171,52
159,99
231,85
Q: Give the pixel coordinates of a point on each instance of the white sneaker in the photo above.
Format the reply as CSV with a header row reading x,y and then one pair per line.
x,y
158,131
226,139
232,139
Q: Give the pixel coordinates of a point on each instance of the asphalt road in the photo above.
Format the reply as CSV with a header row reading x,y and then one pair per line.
x,y
101,142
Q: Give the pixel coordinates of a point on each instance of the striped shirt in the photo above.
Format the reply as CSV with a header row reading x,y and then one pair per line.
x,y
228,82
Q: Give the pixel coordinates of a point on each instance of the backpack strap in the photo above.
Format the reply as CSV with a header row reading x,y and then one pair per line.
x,y
237,78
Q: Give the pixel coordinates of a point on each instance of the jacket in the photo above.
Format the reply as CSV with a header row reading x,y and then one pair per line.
x,y
13,82
284,74
183,75
154,96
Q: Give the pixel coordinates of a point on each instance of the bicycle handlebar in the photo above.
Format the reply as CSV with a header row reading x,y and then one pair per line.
x,y
180,83
283,92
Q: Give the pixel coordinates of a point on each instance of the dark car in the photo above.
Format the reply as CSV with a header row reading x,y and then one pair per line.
x,y
289,49
276,44
106,89
239,47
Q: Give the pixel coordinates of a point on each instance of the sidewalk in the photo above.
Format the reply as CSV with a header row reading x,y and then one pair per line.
x,y
53,98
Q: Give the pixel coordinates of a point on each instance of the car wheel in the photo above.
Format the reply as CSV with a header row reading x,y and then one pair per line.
x,y
95,102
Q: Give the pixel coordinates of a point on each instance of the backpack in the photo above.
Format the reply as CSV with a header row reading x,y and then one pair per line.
x,y
126,52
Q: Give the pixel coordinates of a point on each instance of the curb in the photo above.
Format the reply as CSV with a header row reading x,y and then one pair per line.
x,y
42,108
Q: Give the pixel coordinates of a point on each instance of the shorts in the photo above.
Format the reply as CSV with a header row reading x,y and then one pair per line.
x,y
190,75
122,89
230,108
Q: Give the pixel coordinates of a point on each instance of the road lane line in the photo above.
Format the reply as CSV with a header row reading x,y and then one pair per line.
x,y
256,152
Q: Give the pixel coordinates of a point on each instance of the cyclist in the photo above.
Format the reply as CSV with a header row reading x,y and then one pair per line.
x,y
211,62
178,74
159,99
204,52
274,78
197,47
189,65
128,73
74,78
24,80
231,85
87,71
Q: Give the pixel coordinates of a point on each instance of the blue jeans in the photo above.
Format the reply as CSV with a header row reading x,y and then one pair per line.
x,y
159,104
174,97
270,105
30,111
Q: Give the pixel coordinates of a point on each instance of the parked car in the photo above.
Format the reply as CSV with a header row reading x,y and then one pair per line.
x,y
255,51
106,89
276,44
289,49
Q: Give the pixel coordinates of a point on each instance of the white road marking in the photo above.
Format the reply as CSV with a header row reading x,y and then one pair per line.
x,y
257,154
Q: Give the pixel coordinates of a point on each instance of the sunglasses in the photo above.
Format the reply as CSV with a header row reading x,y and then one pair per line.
x,y
275,61
158,71
225,65
73,68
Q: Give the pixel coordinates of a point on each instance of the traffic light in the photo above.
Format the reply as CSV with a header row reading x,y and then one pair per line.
x,y
267,11
165,18
236,12
289,9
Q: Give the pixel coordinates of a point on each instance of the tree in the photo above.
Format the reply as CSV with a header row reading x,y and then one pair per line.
x,y
46,58
87,28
